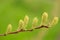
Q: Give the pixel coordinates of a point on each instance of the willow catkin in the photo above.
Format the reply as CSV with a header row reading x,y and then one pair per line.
x,y
26,20
21,25
34,23
9,28
53,22
44,18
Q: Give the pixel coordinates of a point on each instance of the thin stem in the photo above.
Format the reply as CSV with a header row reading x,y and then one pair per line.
x,y
23,30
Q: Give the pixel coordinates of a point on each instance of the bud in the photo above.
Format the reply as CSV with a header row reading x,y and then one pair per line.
x,y
21,25
44,18
26,19
34,23
54,21
9,28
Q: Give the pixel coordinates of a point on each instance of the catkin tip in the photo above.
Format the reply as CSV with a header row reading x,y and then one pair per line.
x,y
45,14
55,20
26,19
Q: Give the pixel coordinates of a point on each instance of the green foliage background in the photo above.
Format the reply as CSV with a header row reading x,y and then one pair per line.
x,y
11,11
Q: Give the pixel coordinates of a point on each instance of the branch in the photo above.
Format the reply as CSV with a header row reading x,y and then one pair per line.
x,y
23,24
23,30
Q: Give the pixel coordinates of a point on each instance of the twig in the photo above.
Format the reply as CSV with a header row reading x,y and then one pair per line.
x,y
22,24
23,30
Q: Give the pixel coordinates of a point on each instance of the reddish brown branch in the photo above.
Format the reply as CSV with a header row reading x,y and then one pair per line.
x,y
23,30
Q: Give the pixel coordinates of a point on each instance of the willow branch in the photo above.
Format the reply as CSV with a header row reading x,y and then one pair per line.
x,y
23,24
15,32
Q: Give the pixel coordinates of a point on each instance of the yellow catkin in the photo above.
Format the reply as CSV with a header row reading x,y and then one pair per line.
x,y
9,28
54,21
34,23
21,25
44,18
26,20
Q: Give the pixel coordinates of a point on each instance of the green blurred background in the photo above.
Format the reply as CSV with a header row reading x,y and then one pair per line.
x,y
11,11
